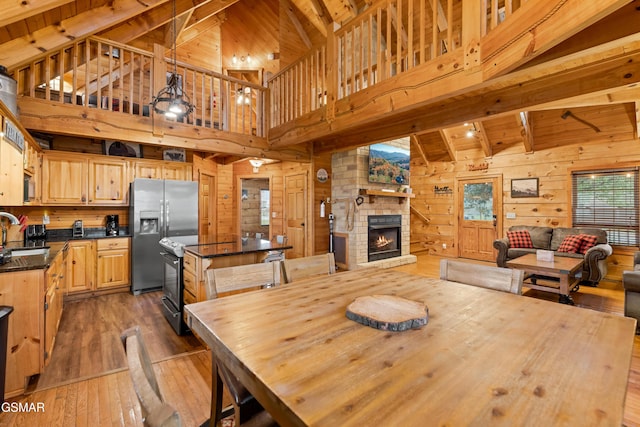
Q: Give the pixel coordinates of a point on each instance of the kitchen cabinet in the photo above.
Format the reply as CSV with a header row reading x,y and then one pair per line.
x,y
159,169
108,181
54,288
176,170
80,179
193,277
11,168
81,266
64,179
113,263
32,176
151,169
24,291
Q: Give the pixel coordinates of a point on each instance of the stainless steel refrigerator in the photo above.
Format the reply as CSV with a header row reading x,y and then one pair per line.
x,y
158,209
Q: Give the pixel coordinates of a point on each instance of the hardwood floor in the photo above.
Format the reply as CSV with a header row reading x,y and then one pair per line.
x,y
86,383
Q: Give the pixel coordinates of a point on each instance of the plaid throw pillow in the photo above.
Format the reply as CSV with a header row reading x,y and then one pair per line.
x,y
571,244
588,241
519,239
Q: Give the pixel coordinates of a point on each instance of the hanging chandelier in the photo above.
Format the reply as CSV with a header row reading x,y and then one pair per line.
x,y
171,101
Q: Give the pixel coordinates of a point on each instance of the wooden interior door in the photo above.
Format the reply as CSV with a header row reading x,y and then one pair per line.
x,y
295,214
479,216
207,207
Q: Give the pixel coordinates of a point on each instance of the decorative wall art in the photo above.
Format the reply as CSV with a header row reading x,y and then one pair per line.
x,y
123,149
524,187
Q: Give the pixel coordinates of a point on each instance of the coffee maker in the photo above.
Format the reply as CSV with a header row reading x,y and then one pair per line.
x,y
113,227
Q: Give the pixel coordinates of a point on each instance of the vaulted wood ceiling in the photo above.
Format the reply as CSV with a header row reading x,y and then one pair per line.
x,y
288,28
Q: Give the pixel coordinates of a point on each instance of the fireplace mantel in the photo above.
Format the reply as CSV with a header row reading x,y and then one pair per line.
x,y
374,193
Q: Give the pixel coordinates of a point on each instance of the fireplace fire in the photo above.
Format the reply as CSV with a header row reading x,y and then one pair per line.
x,y
384,236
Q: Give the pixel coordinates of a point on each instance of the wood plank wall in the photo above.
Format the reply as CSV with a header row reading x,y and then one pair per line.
x,y
552,168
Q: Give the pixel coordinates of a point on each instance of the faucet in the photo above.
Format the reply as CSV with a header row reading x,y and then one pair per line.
x,y
13,220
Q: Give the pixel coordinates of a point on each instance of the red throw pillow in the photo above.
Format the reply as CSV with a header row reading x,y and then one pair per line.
x,y
588,241
571,244
520,239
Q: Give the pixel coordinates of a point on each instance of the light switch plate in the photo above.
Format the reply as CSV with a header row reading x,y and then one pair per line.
x,y
511,215
45,219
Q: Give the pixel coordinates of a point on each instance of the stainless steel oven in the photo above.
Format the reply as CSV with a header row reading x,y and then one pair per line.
x,y
172,287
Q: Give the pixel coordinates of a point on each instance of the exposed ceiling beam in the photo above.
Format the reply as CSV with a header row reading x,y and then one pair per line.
x,y
315,14
415,140
298,25
161,15
524,123
481,134
620,95
14,11
20,50
448,143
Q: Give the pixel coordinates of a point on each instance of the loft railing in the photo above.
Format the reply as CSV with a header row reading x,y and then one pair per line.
x,y
97,73
391,37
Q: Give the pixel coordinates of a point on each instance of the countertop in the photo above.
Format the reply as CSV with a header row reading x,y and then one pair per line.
x,y
235,246
56,241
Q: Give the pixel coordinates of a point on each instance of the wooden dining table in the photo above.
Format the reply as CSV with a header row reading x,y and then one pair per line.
x,y
485,357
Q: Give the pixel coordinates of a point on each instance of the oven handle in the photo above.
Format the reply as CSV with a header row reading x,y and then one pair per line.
x,y
171,258
169,308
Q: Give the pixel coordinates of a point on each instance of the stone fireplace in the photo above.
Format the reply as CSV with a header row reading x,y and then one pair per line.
x,y
350,171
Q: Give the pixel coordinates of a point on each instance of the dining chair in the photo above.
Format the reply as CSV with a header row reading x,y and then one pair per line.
x,y
498,278
241,277
247,411
299,268
155,411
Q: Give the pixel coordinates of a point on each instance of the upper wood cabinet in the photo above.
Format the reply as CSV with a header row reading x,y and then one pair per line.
x,y
11,171
64,179
89,179
159,169
108,181
176,170
151,169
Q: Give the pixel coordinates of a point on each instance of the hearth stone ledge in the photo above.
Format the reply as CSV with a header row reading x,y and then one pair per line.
x,y
390,262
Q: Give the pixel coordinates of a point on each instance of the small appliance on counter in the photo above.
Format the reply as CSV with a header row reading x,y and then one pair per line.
x,y
113,227
78,229
35,235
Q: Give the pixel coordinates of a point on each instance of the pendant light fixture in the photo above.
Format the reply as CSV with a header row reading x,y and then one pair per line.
x,y
172,101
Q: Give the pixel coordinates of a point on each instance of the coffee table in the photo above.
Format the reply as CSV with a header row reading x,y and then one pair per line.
x,y
559,274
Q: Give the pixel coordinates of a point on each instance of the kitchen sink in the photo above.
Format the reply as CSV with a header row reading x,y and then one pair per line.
x,y
29,251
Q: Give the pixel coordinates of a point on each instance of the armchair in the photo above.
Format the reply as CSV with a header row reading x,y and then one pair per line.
x,y
631,284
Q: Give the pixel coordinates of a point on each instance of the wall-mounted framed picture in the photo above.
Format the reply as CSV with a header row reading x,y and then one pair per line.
x,y
122,149
524,187
174,155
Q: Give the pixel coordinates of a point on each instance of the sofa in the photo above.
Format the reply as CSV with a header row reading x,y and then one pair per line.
x,y
588,243
631,284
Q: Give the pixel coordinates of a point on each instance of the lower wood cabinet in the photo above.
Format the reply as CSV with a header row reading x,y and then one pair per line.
x,y
97,265
81,266
24,291
113,263
54,288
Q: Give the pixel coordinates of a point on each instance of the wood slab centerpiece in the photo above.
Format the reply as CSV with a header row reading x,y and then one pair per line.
x,y
388,312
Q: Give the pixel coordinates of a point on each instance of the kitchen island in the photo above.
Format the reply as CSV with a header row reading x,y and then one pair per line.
x,y
229,251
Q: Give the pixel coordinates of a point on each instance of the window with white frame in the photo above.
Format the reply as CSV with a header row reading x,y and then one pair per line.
x,y
264,207
608,199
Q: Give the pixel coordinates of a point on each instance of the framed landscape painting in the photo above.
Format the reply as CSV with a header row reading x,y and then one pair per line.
x,y
524,187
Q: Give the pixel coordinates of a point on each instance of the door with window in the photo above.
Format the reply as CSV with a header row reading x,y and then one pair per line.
x,y
479,216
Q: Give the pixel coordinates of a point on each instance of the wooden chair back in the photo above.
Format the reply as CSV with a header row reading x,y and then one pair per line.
x,y
241,277
299,268
501,279
155,411
246,409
